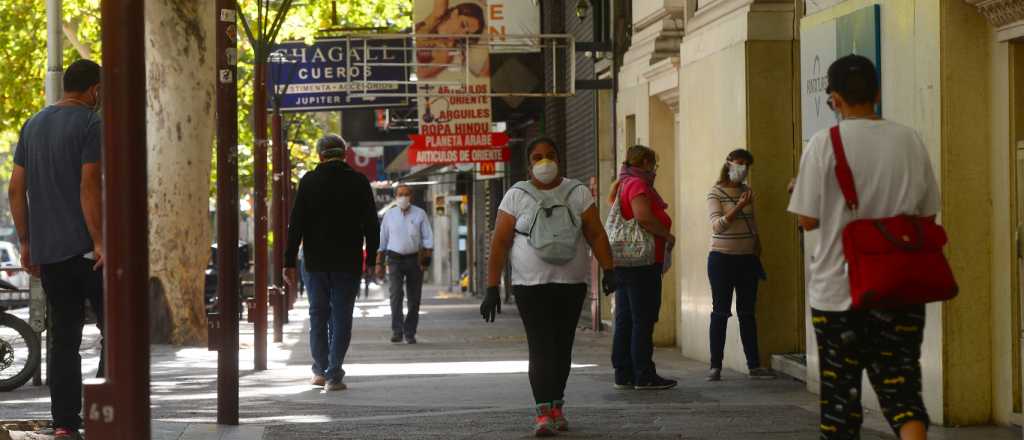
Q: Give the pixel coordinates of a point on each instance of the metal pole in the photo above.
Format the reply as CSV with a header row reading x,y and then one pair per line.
x,y
227,214
260,212
117,407
280,232
54,51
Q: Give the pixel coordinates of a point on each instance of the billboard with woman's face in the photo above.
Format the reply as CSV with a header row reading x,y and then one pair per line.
x,y
453,82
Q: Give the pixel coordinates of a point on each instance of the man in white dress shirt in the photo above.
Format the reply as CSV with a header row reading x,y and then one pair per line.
x,y
407,242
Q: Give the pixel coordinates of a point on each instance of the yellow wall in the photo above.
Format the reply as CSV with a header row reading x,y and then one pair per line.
x,y
712,103
663,141
1001,181
739,96
655,128
967,213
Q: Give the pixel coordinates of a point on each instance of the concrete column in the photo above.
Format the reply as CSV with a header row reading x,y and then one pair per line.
x,y
967,389
736,87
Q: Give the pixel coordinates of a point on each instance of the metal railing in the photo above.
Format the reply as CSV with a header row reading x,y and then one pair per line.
x,y
561,48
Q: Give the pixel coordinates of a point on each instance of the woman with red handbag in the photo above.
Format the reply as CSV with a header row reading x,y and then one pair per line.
x,y
869,182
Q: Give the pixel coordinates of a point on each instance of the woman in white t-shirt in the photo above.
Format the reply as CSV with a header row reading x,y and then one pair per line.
x,y
549,296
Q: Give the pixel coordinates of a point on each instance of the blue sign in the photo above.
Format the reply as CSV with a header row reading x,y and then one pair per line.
x,y
332,74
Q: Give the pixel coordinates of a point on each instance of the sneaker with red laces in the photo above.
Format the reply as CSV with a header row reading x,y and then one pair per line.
x,y
558,414
66,434
544,424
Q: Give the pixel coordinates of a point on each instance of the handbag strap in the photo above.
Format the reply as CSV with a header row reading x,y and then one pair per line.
x,y
843,172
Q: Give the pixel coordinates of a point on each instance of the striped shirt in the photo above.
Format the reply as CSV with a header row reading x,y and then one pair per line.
x,y
738,237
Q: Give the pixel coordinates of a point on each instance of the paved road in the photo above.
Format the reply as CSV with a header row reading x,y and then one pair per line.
x,y
465,379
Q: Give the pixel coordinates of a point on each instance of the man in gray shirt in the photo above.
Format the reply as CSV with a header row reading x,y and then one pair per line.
x,y
56,203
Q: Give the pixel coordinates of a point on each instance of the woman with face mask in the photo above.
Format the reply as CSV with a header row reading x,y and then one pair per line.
x,y
638,298
734,264
550,271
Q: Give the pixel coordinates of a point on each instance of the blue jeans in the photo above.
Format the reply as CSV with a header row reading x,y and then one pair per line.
x,y
637,304
729,273
332,296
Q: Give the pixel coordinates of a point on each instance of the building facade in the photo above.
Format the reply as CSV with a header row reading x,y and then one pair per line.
x,y
701,78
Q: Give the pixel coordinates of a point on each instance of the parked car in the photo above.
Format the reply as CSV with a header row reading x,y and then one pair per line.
x,y
11,257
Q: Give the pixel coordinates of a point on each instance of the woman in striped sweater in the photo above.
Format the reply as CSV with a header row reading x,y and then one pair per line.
x,y
734,264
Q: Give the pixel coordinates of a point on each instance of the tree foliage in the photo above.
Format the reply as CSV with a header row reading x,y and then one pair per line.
x,y
24,51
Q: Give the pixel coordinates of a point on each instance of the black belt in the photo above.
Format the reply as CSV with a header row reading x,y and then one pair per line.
x,y
392,254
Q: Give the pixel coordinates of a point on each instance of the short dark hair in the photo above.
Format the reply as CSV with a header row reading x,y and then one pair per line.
x,y
81,75
537,141
854,78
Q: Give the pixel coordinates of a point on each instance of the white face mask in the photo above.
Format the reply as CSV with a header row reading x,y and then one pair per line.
x,y
737,172
403,202
545,171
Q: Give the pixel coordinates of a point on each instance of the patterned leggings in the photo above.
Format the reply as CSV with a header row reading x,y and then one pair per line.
x,y
885,342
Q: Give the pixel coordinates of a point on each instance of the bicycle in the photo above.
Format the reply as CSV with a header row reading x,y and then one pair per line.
x,y
19,344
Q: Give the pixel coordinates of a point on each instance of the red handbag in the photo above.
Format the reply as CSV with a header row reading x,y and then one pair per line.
x,y
892,262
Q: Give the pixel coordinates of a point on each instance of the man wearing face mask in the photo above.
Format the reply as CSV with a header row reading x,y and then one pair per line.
x,y
734,264
407,242
57,161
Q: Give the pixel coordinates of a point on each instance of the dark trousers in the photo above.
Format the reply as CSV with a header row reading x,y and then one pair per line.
x,y
729,273
637,304
550,313
332,297
885,342
405,279
68,285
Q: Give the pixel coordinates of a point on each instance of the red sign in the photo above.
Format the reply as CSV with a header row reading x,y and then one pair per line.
x,y
488,168
458,148
365,165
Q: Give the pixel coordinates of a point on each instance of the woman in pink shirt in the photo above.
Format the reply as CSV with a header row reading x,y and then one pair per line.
x,y
638,298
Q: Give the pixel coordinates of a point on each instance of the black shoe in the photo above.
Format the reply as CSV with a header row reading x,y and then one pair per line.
x,y
396,338
762,373
625,385
656,383
715,375
410,340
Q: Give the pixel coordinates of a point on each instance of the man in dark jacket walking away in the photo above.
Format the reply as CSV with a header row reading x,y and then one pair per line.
x,y
334,214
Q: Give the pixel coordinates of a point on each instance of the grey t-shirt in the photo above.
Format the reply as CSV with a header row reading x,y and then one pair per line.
x,y
53,146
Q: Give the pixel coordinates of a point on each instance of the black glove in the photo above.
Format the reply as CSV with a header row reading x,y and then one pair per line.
x,y
609,282
491,304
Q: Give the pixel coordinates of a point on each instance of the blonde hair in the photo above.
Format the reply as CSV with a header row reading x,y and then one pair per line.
x,y
638,154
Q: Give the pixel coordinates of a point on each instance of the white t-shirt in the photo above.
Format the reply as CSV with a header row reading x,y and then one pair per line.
x,y
893,176
527,268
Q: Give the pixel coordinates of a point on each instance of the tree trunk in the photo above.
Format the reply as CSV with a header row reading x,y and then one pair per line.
x,y
181,100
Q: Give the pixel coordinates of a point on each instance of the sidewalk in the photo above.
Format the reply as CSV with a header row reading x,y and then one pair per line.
x,y
465,379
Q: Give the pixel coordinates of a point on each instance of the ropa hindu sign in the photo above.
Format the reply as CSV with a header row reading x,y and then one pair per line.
x,y
340,73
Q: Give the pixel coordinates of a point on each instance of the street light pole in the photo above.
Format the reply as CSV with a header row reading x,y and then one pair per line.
x,y
117,407
54,51
280,231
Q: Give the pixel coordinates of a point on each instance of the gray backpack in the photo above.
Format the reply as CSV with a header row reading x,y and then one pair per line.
x,y
554,228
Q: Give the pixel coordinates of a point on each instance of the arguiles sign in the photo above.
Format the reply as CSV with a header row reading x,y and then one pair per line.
x,y
454,90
